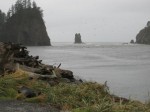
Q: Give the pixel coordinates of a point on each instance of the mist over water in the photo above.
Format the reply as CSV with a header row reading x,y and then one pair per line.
x,y
126,67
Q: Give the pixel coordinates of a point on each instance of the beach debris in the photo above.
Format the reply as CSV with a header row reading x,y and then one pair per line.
x,y
16,56
27,92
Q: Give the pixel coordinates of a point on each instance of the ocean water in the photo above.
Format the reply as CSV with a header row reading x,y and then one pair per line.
x,y
125,67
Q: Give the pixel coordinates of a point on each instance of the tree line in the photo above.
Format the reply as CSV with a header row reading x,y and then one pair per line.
x,y
2,18
19,7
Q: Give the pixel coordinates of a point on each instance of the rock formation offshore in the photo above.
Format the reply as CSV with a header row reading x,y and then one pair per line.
x,y
78,38
143,37
24,24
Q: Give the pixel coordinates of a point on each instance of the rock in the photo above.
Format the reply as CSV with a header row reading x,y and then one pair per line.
x,y
78,38
73,80
148,23
77,82
27,92
53,82
143,37
45,71
132,41
67,74
46,77
26,27
81,80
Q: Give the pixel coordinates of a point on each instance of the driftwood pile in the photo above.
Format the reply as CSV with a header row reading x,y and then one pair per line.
x,y
16,56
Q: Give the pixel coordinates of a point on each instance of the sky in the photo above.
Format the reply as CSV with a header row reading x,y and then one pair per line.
x,y
95,20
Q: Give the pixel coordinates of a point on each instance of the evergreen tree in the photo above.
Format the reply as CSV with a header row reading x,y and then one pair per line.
x,y
2,18
34,4
24,4
21,5
8,14
29,4
18,5
12,9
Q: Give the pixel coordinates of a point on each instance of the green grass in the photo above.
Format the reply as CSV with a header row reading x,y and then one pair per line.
x,y
85,97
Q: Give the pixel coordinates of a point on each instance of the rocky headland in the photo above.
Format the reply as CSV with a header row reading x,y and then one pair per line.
x,y
143,37
24,24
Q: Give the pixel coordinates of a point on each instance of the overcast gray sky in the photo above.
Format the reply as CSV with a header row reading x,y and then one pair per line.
x,y
96,20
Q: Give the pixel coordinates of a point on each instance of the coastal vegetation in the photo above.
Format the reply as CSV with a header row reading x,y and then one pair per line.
x,y
84,97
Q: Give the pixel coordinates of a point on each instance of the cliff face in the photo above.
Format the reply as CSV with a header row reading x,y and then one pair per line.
x,y
143,37
26,27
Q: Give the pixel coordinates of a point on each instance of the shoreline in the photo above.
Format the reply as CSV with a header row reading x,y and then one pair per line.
x,y
37,82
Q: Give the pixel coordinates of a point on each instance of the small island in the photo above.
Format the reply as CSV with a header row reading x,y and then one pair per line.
x,y
24,24
78,38
132,41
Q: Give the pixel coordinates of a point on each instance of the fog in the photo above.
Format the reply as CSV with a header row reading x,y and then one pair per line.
x,y
96,20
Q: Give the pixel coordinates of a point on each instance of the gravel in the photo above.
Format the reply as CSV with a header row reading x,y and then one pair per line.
x,y
18,106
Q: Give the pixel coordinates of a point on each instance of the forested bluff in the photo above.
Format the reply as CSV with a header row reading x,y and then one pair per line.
x,y
24,24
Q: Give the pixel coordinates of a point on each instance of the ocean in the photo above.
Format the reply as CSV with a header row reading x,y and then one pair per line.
x,y
125,67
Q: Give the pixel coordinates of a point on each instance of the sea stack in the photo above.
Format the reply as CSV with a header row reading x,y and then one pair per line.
x,y
24,24
143,37
78,38
132,41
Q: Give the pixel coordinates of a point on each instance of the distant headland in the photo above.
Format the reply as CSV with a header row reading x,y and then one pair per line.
x,y
143,37
24,24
